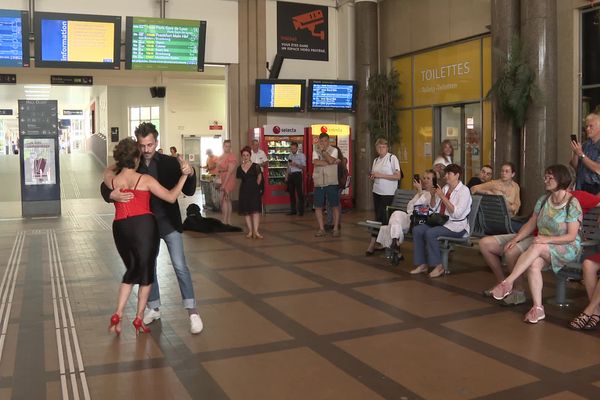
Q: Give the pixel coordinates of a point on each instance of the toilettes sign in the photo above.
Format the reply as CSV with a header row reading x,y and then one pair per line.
x,y
447,75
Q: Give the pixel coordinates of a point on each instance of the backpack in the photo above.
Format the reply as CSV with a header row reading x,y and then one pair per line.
x,y
342,176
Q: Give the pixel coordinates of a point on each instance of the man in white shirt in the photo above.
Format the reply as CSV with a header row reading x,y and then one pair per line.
x,y
258,156
325,178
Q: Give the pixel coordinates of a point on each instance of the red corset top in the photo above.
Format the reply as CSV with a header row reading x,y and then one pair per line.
x,y
138,205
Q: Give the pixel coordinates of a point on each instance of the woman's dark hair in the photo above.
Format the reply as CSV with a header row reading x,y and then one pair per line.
x,y
561,175
455,169
126,154
512,166
246,149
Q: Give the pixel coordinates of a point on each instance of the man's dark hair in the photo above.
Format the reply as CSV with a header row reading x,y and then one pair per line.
x,y
323,135
455,169
146,128
294,144
561,175
489,166
126,153
512,166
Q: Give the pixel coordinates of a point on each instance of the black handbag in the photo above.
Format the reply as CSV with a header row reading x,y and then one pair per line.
x,y
436,219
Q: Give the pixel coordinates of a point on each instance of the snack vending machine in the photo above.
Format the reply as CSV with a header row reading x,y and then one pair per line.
x,y
340,136
275,141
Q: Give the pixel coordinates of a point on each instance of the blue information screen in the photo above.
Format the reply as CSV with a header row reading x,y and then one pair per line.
x,y
11,38
280,95
332,96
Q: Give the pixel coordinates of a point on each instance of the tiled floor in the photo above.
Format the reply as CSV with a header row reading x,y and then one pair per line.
x,y
287,317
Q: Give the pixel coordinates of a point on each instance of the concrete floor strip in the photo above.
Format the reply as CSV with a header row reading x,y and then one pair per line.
x,y
66,332
7,287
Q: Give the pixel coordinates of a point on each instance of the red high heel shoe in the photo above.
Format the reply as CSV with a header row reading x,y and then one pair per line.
x,y
139,326
115,319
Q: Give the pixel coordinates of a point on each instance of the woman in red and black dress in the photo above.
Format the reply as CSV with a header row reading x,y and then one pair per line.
x,y
250,202
134,229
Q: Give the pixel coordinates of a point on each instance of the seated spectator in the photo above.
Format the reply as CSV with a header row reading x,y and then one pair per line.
x,y
485,175
589,318
453,200
507,187
557,216
399,221
494,247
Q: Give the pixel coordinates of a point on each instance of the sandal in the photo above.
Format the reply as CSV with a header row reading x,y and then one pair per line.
x,y
592,323
579,322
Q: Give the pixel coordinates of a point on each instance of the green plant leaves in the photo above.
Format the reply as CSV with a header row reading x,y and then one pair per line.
x,y
383,96
515,89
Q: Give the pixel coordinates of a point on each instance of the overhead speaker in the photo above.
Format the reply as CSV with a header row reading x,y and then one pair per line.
x,y
276,68
158,91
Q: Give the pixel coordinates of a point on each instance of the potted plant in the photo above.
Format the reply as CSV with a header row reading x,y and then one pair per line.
x,y
515,88
382,96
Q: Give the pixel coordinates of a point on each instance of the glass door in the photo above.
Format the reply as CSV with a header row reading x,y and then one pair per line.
x,y
461,125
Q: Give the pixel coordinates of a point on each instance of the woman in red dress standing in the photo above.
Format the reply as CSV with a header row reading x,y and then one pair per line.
x,y
134,228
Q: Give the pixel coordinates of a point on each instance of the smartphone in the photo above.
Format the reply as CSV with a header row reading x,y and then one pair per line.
x,y
434,181
574,138
417,178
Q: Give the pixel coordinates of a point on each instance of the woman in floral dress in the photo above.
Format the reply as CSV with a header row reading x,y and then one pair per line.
x,y
557,217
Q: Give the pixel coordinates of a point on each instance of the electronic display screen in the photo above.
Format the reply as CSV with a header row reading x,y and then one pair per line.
x,y
14,38
280,95
332,95
77,41
165,44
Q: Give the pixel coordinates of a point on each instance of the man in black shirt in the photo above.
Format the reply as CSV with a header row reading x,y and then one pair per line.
x,y
166,170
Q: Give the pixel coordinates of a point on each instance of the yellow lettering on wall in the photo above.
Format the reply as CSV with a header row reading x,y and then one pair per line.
x,y
448,75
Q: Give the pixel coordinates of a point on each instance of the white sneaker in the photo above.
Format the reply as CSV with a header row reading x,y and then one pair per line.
x,y
196,324
150,315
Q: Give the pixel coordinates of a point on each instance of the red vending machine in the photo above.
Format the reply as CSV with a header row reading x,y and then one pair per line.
x,y
275,140
340,136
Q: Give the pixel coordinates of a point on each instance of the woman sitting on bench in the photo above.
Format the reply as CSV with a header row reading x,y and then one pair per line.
x,y
454,201
557,216
399,221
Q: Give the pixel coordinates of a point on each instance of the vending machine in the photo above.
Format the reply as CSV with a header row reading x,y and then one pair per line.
x,y
275,141
340,136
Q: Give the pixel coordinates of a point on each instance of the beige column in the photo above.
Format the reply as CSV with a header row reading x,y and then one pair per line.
x,y
505,25
366,64
538,32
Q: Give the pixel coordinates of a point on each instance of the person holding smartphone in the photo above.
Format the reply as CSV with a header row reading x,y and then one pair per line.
x,y
586,156
385,175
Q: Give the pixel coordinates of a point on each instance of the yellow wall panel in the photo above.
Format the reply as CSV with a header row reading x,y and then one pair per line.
x,y
405,148
448,75
487,65
423,139
487,134
404,68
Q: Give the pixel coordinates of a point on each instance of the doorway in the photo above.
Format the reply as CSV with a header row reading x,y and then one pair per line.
x,y
461,125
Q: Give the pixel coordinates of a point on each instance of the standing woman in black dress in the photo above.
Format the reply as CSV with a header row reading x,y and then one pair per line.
x,y
134,229
250,203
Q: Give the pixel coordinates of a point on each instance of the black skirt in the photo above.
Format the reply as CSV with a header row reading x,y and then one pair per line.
x,y
137,242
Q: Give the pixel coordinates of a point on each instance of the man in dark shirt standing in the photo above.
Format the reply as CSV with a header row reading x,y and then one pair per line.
x,y
167,171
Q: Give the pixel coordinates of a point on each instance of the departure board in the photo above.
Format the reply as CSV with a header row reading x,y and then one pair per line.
x,y
165,44
332,95
14,43
280,95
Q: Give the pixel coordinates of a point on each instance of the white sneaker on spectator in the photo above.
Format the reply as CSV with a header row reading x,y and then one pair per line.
x,y
150,315
196,324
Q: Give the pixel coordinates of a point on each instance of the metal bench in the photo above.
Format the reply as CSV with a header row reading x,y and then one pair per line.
x,y
591,245
400,202
493,217
448,243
